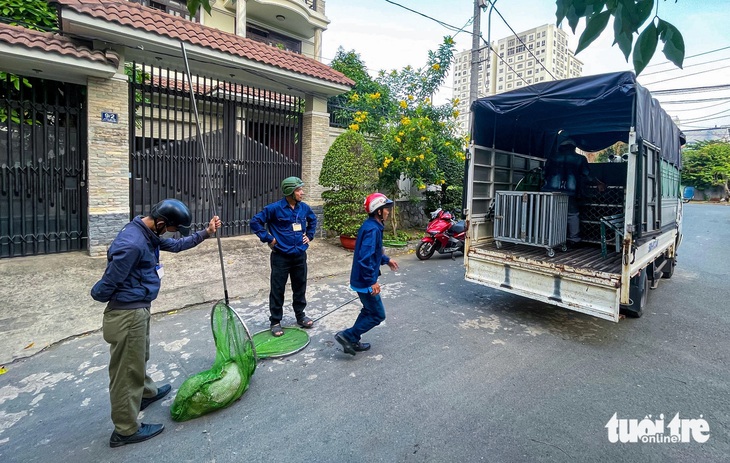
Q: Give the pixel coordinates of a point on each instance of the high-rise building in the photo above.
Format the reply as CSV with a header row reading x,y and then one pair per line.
x,y
536,55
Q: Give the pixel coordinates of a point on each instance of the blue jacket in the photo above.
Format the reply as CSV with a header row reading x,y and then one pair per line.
x,y
277,221
368,255
130,279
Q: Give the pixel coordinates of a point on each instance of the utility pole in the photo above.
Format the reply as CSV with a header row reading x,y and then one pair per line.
x,y
476,35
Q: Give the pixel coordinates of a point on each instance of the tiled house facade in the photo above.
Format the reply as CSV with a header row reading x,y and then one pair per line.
x,y
97,38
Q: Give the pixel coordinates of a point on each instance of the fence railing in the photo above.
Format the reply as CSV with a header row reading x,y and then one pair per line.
x,y
340,116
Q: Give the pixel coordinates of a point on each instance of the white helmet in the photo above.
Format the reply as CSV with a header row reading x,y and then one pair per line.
x,y
375,201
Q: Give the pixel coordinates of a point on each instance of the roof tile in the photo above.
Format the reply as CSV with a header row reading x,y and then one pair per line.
x,y
54,43
150,20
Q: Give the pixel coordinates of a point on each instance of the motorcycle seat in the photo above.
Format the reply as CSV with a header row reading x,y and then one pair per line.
x,y
458,227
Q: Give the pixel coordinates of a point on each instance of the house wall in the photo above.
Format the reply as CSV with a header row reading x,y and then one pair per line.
x,y
108,164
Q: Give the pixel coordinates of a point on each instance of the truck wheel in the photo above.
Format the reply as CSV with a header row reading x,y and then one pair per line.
x,y
424,250
638,293
670,269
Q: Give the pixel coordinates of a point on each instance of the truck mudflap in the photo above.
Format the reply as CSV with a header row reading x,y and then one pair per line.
x,y
597,295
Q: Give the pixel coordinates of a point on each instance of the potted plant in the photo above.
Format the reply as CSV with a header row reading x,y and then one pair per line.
x,y
350,174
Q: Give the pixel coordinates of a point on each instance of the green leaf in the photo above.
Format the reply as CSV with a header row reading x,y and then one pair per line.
x,y
561,10
673,43
594,27
645,47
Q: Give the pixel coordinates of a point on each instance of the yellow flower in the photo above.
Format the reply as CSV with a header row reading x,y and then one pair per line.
x,y
401,133
410,97
456,113
427,101
354,127
423,138
408,159
403,104
380,170
405,121
374,96
397,139
443,181
421,156
355,97
449,41
448,143
456,101
436,66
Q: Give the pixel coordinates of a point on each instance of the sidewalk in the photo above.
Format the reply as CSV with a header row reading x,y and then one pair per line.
x,y
45,299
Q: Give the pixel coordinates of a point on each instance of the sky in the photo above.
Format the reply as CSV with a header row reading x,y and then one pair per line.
x,y
388,37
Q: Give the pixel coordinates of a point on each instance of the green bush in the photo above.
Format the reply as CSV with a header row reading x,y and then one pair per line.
x,y
350,173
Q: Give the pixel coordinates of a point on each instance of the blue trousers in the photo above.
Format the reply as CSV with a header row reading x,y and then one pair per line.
x,y
371,315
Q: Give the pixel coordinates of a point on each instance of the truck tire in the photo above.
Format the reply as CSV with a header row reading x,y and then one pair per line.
x,y
669,268
638,293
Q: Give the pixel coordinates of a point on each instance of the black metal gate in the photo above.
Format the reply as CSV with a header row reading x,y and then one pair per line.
x,y
251,137
43,193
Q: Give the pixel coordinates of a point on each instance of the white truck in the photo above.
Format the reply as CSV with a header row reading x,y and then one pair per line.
x,y
631,228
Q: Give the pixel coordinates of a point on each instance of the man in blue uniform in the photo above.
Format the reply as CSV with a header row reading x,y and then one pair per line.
x,y
129,285
366,264
287,226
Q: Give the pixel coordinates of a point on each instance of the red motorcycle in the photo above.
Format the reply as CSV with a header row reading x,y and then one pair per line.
x,y
443,234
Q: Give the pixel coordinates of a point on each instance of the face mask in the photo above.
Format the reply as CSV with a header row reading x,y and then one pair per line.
x,y
161,231
168,234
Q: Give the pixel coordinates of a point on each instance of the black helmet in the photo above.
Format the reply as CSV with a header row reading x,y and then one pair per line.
x,y
175,214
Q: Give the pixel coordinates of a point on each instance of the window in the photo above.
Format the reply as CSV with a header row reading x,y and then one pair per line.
x,y
274,39
173,7
519,66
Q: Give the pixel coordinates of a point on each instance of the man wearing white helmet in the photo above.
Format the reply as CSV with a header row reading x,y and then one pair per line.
x,y
366,264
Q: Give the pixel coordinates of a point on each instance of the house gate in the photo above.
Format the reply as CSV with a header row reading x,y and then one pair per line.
x,y
43,193
251,136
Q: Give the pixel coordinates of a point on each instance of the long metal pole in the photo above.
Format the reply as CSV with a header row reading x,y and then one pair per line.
x,y
205,164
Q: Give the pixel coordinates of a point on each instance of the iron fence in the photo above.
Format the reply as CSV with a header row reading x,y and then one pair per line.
x,y
252,140
43,194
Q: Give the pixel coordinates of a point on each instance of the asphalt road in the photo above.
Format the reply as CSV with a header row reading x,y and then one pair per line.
x,y
458,372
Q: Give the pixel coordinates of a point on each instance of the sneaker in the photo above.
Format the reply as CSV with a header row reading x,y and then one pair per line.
x,y
361,346
162,391
347,346
145,432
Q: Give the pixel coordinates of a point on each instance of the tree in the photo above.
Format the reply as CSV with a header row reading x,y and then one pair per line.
x,y
413,138
350,173
628,17
707,164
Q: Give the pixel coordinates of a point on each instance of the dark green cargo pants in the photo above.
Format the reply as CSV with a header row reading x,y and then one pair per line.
x,y
128,334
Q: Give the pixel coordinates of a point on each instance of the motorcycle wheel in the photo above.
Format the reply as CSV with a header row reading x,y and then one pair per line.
x,y
425,250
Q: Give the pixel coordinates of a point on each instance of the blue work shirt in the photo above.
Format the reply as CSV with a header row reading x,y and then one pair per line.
x,y
279,220
368,256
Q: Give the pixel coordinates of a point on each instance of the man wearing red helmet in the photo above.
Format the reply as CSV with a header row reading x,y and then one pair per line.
x,y
366,264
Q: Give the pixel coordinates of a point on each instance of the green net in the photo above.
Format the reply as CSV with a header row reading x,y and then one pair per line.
x,y
268,346
230,375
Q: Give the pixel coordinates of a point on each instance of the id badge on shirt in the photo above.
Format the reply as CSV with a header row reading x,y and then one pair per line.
x,y
296,226
160,271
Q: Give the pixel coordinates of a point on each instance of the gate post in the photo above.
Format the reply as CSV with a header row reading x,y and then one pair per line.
x,y
315,141
108,167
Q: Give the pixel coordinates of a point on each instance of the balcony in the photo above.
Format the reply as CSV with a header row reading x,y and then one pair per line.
x,y
297,17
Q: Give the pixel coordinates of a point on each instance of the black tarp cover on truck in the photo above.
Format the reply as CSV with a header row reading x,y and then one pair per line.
x,y
596,111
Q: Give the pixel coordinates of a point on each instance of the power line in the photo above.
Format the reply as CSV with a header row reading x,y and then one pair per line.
x,y
680,91
699,109
685,67
692,56
699,100
686,75
446,25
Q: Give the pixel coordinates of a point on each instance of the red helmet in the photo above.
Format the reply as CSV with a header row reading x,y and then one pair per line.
x,y
375,201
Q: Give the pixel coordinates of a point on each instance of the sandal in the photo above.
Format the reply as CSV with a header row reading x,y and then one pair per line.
x,y
276,330
305,322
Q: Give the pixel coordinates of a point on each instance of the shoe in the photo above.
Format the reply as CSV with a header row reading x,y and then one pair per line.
x,y
145,432
305,322
361,346
347,346
162,391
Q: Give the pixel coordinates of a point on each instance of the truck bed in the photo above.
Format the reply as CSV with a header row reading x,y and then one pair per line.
x,y
584,258
578,279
